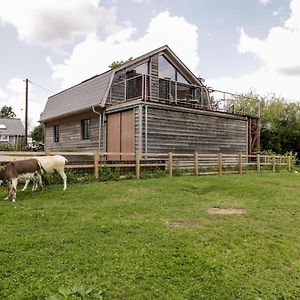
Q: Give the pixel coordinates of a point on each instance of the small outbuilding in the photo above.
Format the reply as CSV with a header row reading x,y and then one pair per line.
x,y
153,103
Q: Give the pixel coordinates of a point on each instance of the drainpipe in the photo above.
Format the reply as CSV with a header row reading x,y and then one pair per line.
x,y
146,130
100,127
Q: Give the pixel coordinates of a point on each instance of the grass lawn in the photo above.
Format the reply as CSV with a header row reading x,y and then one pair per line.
x,y
154,239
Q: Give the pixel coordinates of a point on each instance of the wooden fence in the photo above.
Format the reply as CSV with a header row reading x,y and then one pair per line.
x,y
195,163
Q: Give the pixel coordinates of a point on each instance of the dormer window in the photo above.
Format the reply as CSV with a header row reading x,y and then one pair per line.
x,y
2,126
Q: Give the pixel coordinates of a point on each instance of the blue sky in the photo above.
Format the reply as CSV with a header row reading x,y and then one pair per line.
x,y
235,45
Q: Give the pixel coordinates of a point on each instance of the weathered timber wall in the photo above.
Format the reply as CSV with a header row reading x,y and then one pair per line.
x,y
203,132
70,133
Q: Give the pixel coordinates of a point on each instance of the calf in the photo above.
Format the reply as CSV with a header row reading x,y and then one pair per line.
x,y
11,171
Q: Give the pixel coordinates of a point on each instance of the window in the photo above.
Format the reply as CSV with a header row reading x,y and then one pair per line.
x,y
85,129
3,126
180,78
139,70
167,71
56,133
4,138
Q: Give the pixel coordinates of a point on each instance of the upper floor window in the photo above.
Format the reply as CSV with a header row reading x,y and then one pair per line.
x,y
138,70
56,133
167,71
85,129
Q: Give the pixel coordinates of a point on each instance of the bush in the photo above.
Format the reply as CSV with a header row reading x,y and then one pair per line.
x,y
155,173
108,173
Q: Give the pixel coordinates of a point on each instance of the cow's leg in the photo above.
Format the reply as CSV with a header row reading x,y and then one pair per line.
x,y
14,184
9,187
38,179
26,184
12,187
64,178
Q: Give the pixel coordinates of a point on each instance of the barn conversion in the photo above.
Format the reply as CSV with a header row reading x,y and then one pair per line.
x,y
153,103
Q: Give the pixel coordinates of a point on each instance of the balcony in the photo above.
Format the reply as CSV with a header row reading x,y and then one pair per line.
x,y
154,89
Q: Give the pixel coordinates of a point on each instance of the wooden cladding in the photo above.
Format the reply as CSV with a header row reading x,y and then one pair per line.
x,y
121,134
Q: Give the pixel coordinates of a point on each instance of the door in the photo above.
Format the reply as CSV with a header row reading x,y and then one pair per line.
x,y
120,134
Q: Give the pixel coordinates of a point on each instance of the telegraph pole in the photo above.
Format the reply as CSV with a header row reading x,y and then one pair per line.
x,y
26,110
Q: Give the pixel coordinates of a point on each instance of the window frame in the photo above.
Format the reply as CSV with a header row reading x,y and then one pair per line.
x,y
4,138
56,133
85,128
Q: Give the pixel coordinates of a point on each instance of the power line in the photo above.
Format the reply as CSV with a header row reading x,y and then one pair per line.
x,y
41,87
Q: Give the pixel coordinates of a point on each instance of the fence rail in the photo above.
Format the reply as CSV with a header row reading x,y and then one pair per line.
x,y
195,163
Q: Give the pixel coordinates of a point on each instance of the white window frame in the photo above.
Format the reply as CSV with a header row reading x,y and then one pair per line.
x,y
4,138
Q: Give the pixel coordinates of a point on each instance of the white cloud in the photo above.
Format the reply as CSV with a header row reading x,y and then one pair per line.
x,y
93,55
54,22
279,54
265,2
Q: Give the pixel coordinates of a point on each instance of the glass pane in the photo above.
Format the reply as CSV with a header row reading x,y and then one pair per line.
x,y
180,78
85,129
165,69
139,70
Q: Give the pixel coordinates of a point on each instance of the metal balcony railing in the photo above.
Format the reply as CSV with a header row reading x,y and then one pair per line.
x,y
164,90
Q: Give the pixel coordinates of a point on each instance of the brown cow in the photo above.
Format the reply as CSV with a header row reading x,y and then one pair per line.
x,y
11,171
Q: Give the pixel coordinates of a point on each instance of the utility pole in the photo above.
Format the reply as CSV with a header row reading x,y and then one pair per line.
x,y
26,110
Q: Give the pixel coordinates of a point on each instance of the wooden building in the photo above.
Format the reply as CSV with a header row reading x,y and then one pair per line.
x,y
153,103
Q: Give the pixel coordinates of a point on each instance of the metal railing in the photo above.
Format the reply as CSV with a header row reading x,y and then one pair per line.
x,y
164,90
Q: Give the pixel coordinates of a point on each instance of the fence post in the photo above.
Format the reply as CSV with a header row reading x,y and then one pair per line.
x,y
47,152
289,163
137,165
273,164
258,162
170,164
96,164
220,164
240,163
196,164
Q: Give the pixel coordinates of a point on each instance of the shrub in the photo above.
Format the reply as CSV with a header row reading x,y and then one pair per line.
x,y
108,173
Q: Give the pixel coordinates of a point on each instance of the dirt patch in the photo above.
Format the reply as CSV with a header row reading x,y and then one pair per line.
x,y
226,211
184,224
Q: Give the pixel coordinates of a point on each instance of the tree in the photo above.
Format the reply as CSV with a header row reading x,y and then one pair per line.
x,y
37,133
7,112
280,121
118,63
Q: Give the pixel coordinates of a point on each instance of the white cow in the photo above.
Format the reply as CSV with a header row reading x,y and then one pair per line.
x,y
52,163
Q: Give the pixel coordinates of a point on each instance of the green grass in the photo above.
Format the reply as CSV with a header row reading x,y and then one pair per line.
x,y
153,239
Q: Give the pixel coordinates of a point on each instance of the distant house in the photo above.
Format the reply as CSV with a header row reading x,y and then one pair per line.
x,y
11,131
153,103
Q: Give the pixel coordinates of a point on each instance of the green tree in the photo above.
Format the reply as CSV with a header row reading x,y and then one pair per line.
x,y
7,112
118,63
37,133
280,121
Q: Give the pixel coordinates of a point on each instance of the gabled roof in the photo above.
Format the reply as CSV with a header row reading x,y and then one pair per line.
x,y
93,92
11,126
82,96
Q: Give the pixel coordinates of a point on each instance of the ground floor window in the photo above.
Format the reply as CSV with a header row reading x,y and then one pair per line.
x,y
85,129
56,133
4,138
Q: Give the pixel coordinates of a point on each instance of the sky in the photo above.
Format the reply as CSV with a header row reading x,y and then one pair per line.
x,y
236,46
